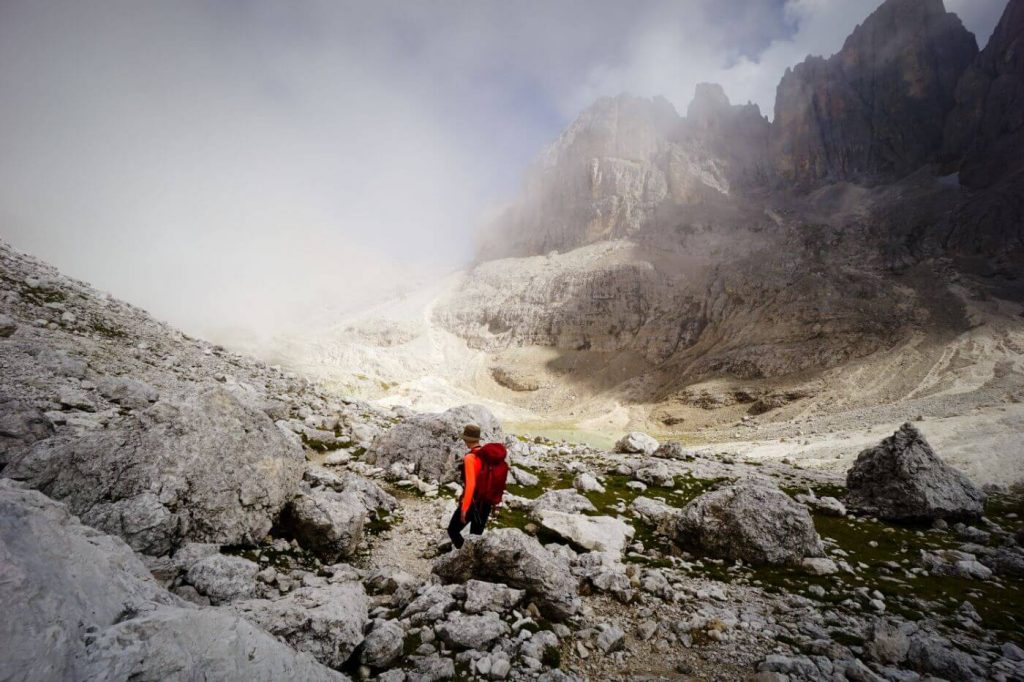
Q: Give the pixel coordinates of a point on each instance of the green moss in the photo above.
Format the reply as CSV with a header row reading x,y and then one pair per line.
x,y
411,644
381,521
999,602
266,556
552,657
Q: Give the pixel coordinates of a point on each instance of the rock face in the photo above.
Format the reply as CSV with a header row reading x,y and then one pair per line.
x,y
986,128
202,467
328,523
79,605
509,556
903,479
326,622
752,521
876,109
432,442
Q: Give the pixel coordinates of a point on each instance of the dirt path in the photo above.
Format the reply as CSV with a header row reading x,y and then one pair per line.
x,y
421,528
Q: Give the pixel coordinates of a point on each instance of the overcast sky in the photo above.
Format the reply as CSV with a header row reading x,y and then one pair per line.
x,y
230,162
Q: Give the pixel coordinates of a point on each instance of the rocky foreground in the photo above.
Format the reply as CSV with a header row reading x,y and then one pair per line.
x,y
171,510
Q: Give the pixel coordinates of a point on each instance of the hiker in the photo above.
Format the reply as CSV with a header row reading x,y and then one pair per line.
x,y
483,481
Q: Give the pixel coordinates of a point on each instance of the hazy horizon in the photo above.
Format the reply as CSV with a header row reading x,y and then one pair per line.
x,y
240,165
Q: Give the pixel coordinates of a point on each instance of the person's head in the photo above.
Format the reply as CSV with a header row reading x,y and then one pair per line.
x,y
471,435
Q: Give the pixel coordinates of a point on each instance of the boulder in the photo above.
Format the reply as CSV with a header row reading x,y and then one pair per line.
x,y
523,477
509,556
484,596
596,533
902,479
671,450
465,631
636,442
130,393
829,506
223,578
203,467
656,474
431,604
566,500
432,442
181,644
752,521
586,482
383,645
326,622
374,498
79,604
937,656
327,523
655,512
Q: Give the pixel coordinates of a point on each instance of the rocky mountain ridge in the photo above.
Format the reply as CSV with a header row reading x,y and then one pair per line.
x,y
762,250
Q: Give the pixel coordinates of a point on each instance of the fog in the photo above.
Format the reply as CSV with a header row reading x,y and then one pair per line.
x,y
247,167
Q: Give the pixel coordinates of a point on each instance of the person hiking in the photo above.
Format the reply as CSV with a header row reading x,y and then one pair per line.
x,y
483,482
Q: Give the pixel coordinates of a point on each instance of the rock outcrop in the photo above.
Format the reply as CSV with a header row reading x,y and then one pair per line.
x,y
509,556
79,604
201,467
903,479
751,521
876,109
328,523
986,128
326,622
431,443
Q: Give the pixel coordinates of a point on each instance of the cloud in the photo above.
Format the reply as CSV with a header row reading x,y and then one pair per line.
x,y
668,54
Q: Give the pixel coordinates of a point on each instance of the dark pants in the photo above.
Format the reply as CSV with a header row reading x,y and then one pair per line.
x,y
476,518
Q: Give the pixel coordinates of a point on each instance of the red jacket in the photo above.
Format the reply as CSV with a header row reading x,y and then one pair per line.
x,y
470,468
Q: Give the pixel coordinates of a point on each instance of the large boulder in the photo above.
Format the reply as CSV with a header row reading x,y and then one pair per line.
x,y
326,622
328,523
223,578
432,443
655,512
181,644
564,500
507,555
203,467
636,442
902,479
752,521
465,631
384,645
596,533
79,604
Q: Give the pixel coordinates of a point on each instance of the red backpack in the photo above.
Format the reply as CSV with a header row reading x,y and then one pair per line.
x,y
490,482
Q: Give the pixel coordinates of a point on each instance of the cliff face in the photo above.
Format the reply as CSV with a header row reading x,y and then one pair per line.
x,y
985,141
875,110
626,164
721,244
986,128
